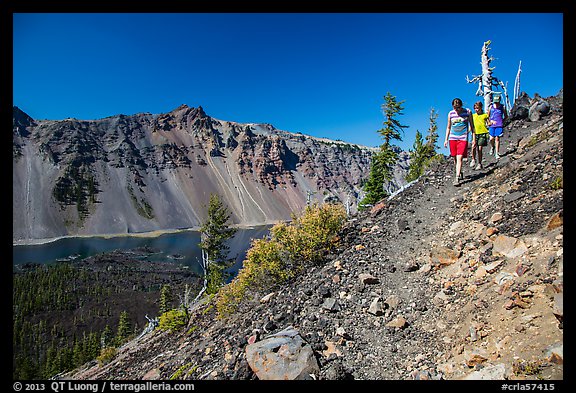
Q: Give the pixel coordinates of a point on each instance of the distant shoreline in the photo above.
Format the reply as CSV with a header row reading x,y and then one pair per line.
x,y
150,234
156,233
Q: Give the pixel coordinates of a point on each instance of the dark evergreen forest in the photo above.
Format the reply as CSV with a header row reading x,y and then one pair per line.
x,y
68,313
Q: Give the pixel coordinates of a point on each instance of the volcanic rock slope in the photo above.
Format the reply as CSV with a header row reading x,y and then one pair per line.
x,y
144,172
438,282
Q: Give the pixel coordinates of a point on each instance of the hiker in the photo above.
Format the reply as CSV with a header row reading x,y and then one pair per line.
x,y
480,136
459,125
497,114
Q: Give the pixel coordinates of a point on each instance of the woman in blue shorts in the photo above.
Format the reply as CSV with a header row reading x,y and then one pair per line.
x,y
497,114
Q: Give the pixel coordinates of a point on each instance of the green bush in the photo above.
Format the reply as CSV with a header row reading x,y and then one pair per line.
x,y
173,320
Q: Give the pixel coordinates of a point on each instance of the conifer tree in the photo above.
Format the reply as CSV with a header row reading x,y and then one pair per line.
x,y
374,186
215,231
77,353
423,153
392,129
50,366
106,337
417,157
124,329
165,298
432,137
383,162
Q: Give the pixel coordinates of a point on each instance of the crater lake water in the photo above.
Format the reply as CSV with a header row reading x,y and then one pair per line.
x,y
177,247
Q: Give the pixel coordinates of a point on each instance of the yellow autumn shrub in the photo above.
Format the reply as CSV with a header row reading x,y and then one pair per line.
x,y
291,248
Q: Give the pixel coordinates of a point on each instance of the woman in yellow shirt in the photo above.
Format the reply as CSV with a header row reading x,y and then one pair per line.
x,y
480,136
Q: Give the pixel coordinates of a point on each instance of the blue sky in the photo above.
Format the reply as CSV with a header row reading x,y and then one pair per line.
x,y
321,74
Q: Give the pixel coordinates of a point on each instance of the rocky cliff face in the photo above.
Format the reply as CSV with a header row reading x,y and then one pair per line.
x,y
147,172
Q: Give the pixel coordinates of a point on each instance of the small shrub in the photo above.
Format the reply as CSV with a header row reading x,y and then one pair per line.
x,y
557,183
173,320
538,138
533,141
526,367
106,355
180,372
263,266
210,306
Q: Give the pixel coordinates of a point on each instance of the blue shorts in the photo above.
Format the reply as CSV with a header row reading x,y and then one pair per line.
x,y
495,131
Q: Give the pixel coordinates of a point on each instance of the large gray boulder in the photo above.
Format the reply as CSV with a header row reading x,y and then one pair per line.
x,y
538,109
282,356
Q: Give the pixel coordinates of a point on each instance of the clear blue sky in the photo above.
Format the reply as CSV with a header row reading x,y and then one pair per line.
x,y
321,74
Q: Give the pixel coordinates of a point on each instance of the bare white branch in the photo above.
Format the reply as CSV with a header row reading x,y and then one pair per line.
x,y
486,81
204,264
517,83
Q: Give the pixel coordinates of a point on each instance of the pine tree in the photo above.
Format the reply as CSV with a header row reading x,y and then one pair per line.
x,y
124,329
417,157
374,186
432,137
165,298
50,366
77,353
215,231
106,337
423,153
384,161
92,346
392,129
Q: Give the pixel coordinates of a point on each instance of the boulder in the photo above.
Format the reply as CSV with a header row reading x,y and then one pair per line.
x,y
538,110
282,356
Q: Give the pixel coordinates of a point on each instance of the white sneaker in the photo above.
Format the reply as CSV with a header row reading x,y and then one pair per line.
x,y
472,163
478,167
497,156
492,151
